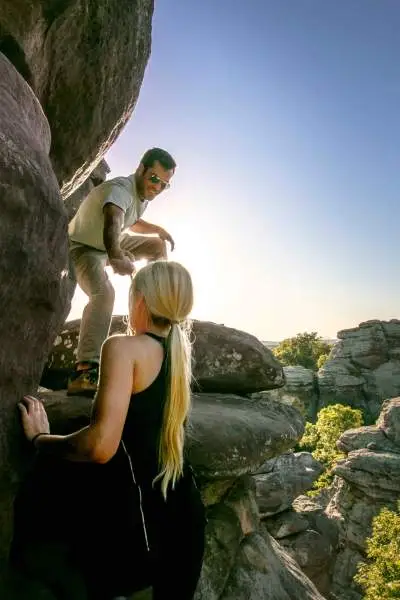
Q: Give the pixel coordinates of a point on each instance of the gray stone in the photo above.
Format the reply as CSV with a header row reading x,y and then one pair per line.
x,y
367,344
313,553
242,560
317,518
363,369
389,421
264,570
224,359
300,391
85,62
250,433
285,524
311,538
97,176
343,586
280,480
375,474
35,288
370,437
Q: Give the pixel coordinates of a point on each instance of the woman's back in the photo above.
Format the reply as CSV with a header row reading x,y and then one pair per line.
x,y
143,425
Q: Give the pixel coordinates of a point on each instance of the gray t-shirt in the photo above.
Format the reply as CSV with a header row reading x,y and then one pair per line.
x,y
87,225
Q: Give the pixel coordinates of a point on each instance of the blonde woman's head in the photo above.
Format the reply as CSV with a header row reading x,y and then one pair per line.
x,y
161,294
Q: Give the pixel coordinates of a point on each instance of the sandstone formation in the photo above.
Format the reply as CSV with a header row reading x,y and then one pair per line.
x,y
279,481
35,289
307,533
366,480
70,74
300,390
364,368
297,523
362,371
97,176
224,359
85,62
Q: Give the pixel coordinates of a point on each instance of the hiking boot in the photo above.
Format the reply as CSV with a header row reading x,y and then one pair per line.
x,y
83,382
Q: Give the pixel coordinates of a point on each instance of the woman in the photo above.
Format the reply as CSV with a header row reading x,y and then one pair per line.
x,y
134,518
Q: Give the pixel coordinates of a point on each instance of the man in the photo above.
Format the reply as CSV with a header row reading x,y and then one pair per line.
x,y
97,239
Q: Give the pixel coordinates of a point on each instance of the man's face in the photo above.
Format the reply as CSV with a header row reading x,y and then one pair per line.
x,y
153,180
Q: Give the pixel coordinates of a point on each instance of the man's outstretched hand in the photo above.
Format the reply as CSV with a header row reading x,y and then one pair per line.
x,y
123,263
166,237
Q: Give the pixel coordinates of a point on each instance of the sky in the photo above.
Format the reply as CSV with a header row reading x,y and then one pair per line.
x,y
283,118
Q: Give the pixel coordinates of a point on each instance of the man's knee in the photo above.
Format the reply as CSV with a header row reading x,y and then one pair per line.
x,y
107,292
159,249
104,291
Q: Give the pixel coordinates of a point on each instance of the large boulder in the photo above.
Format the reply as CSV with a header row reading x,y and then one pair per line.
x,y
35,290
251,433
224,359
367,479
85,62
230,360
363,369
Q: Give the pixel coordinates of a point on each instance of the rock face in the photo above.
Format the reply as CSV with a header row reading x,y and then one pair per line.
x,y
225,360
310,537
97,176
364,368
85,61
35,289
298,523
300,390
282,479
242,560
362,371
367,480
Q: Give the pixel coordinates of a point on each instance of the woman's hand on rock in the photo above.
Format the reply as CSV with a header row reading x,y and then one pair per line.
x,y
33,416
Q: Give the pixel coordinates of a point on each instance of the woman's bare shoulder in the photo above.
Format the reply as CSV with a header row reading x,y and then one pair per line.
x,y
121,341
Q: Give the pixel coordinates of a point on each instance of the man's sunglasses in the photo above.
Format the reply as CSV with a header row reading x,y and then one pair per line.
x,y
156,179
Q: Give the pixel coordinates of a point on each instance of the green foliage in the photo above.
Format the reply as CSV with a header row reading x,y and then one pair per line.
x,y
332,422
304,349
320,438
380,577
322,360
308,442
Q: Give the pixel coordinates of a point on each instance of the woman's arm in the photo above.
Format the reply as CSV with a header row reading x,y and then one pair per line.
x,y
98,442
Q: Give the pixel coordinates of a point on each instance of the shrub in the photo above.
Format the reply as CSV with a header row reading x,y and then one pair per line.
x,y
320,438
380,576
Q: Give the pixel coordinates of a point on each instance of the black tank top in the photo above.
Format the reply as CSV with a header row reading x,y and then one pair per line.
x,y
142,430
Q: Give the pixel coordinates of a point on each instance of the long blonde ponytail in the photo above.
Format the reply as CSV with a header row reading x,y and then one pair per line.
x,y
168,293
176,407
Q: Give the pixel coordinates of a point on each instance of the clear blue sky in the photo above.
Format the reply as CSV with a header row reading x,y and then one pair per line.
x,y
283,116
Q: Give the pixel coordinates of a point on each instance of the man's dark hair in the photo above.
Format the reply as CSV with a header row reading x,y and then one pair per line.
x,y
163,157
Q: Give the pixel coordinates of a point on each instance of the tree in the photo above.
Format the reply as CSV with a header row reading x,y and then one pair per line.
x,y
380,576
320,438
304,349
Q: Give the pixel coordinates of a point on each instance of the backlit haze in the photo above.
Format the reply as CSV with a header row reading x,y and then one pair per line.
x,y
283,118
